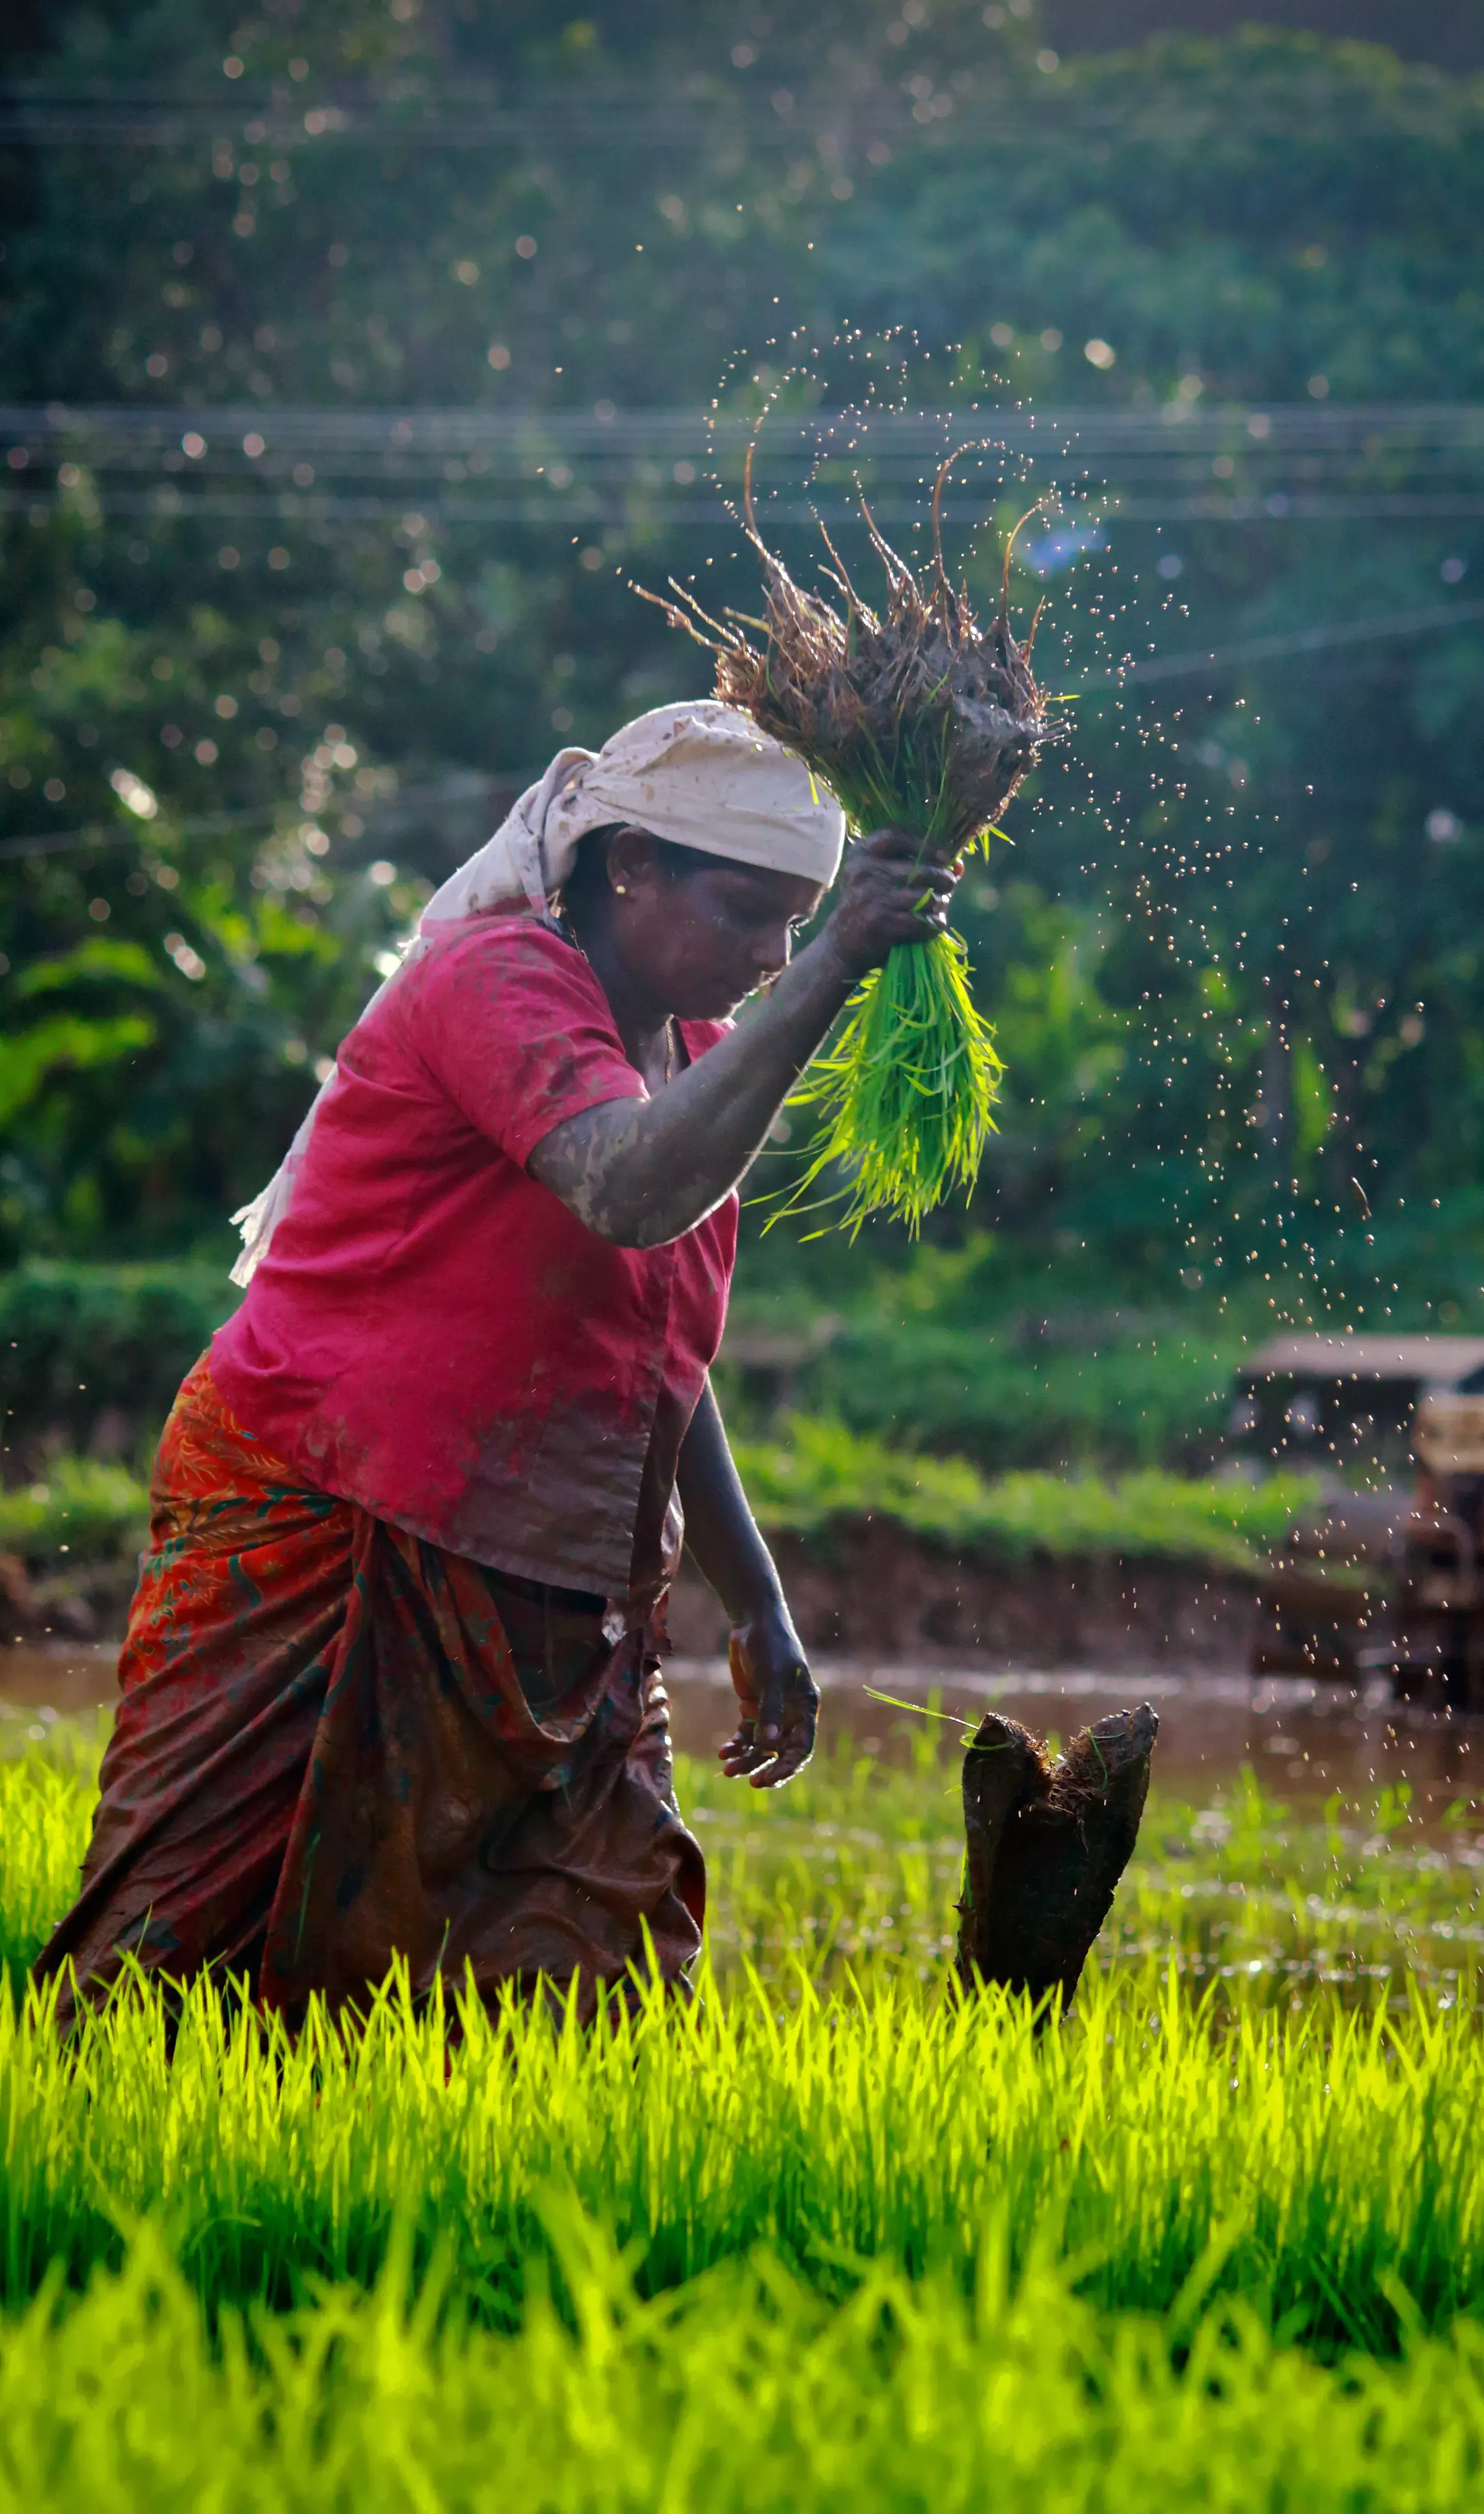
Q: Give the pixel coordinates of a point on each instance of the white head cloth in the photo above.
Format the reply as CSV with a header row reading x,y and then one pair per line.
x,y
700,774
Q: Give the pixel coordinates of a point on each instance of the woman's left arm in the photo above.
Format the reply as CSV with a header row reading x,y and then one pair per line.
x,y
778,1697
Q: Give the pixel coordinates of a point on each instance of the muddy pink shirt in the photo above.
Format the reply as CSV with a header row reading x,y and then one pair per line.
x,y
431,1333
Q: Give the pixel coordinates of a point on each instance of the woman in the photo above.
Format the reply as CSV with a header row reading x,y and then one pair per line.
x,y
390,1686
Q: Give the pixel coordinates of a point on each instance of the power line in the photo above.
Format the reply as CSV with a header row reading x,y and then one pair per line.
x,y
463,468
97,834
1180,428
435,516
1397,625
641,116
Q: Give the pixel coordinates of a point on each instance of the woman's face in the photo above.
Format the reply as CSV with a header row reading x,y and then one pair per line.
x,y
697,942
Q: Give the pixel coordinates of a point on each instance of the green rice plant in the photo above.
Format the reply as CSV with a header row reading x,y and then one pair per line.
x,y
45,1814
850,1873
1334,2153
742,2393
831,2235
905,1091
916,717
854,1870
1273,2086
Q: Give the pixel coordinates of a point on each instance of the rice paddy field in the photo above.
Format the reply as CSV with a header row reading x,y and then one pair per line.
x,y
829,2236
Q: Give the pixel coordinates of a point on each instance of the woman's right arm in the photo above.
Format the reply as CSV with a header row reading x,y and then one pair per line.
x,y
639,1172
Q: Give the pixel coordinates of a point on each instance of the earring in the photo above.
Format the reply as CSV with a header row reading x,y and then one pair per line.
x,y
621,887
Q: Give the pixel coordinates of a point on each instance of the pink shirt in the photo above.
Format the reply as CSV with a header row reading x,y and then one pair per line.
x,y
432,1334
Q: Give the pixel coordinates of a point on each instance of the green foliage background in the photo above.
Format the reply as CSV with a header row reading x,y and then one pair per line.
x,y
1231,976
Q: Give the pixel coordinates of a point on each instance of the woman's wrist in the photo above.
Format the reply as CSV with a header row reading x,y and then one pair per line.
x,y
763,1609
850,956
800,1007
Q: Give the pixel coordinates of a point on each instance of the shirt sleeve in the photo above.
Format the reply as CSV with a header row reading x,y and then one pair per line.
x,y
512,1024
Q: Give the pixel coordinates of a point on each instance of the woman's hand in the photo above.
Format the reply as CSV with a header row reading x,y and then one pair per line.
x,y
774,1690
888,896
779,1701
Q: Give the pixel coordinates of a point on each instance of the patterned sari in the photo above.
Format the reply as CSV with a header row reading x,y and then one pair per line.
x,y
336,1742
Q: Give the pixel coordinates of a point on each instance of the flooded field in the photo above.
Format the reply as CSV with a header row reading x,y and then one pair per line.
x,y
1304,1740
62,1680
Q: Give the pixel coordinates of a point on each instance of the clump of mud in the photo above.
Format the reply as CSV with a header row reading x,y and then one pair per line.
x,y
1046,1845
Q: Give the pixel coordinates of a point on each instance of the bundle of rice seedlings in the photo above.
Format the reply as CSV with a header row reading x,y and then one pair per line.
x,y
914,715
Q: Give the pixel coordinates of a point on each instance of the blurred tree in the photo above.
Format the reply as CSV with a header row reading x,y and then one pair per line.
x,y
1448,33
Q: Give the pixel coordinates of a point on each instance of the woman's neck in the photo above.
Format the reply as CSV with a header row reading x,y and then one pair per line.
x,y
642,1025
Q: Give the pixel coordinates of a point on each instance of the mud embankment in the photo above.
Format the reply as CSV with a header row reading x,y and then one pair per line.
x,y
875,1591
864,1590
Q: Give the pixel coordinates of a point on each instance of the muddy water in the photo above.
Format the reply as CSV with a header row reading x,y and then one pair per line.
x,y
1303,1739
62,1680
